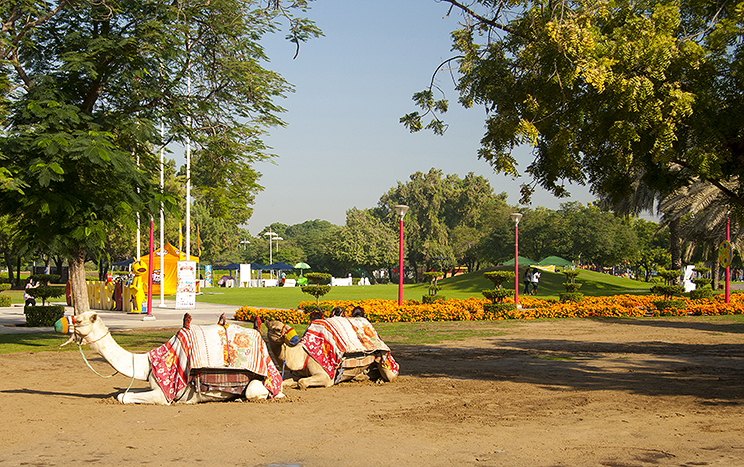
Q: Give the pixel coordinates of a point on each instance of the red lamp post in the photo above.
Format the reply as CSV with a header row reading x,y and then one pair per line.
x,y
400,210
727,295
516,217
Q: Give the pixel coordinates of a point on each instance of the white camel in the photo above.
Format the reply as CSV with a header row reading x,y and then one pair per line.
x,y
298,360
88,328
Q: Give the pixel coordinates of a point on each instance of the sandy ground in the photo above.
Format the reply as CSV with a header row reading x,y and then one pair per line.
x,y
620,393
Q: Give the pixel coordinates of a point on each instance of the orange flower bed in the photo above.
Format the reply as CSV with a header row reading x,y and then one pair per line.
x,y
471,309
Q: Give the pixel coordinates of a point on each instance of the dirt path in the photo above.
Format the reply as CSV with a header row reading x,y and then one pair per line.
x,y
552,393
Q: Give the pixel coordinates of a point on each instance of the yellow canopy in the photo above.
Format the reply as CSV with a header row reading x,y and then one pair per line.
x,y
172,256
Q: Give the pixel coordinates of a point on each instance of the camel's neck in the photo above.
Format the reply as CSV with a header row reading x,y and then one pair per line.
x,y
294,357
123,361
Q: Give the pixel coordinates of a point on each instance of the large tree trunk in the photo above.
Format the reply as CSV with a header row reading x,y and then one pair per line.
x,y
77,279
716,269
675,246
18,271
9,264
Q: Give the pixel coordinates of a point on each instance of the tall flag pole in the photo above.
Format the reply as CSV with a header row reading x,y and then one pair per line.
x,y
188,164
162,216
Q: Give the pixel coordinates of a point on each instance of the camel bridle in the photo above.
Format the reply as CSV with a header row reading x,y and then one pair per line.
x,y
79,340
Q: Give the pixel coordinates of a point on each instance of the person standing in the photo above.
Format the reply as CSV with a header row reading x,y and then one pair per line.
x,y
27,297
535,279
527,279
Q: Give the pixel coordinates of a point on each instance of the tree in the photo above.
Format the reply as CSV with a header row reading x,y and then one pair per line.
x,y
364,242
598,237
652,247
604,93
441,206
87,83
701,211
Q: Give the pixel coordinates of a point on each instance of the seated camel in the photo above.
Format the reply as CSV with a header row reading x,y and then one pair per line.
x,y
191,367
332,350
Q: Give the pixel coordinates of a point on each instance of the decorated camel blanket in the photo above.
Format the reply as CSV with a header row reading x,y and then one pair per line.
x,y
335,343
213,347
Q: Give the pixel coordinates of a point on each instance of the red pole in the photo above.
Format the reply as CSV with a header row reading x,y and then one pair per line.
x,y
516,264
400,262
728,268
149,279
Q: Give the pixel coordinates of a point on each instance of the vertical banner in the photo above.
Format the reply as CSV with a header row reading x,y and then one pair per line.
x,y
208,275
186,285
245,275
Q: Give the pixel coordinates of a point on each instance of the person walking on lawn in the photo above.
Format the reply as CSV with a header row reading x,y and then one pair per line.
x,y
535,279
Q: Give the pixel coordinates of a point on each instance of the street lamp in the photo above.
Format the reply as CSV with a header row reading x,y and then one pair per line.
x,y
277,243
400,210
271,236
515,216
244,242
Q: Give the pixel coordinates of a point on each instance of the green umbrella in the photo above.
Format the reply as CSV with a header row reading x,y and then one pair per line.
x,y
301,266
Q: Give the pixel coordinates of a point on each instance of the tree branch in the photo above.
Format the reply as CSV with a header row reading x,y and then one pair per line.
x,y
491,22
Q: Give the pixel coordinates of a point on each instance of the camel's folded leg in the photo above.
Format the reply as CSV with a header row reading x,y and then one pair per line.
x,y
386,373
153,396
256,390
316,380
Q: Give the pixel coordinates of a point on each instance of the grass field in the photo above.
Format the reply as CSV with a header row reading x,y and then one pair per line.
x,y
463,286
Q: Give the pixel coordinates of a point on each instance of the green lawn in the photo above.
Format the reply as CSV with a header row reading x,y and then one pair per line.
x,y
463,286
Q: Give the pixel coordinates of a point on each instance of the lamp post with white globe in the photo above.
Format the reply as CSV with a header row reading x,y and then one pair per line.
x,y
400,210
516,217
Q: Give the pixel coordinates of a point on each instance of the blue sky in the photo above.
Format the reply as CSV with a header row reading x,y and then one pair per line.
x,y
344,146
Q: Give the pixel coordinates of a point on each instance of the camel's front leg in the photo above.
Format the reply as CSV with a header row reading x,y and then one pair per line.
x,y
316,380
256,390
153,396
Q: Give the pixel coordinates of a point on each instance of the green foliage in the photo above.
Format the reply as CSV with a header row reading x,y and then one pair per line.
x,y
493,311
4,286
570,86
667,290
43,315
571,296
447,220
316,290
5,300
431,277
318,278
499,277
45,292
571,286
497,295
571,275
662,305
45,278
365,242
432,298
698,294
91,84
670,275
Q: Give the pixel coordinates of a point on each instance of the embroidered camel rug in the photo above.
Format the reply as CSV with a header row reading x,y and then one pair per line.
x,y
336,343
214,347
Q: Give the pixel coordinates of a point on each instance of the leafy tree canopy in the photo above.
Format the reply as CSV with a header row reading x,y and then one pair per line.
x,y
87,87
604,92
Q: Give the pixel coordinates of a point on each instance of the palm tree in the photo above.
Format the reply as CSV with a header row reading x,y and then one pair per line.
x,y
703,209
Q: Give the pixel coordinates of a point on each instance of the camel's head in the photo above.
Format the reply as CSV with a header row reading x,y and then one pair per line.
x,y
80,327
280,333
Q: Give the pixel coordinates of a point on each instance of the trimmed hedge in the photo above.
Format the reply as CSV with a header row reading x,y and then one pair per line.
x,y
433,298
4,300
571,296
43,315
